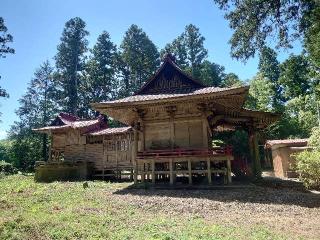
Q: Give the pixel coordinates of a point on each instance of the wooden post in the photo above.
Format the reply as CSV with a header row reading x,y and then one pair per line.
x,y
115,139
209,171
134,153
152,171
142,134
143,175
50,148
254,153
257,163
190,171
229,170
171,171
205,131
171,112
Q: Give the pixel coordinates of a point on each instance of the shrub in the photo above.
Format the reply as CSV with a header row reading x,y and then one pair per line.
x,y
314,140
7,168
308,166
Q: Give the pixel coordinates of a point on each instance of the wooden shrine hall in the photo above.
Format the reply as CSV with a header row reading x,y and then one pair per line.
x,y
174,118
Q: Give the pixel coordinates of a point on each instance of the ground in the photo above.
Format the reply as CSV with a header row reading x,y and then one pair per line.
x,y
103,210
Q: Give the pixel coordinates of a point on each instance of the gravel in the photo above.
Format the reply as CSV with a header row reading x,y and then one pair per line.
x,y
286,211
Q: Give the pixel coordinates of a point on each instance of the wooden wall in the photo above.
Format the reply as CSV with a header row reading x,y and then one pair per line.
x,y
104,151
186,134
59,140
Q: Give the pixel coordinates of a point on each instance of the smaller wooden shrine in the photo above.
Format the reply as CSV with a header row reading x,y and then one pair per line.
x,y
174,118
282,153
74,140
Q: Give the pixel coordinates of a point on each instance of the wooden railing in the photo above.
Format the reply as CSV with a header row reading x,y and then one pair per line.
x,y
181,152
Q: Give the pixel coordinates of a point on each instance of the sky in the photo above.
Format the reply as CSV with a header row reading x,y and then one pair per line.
x,y
36,26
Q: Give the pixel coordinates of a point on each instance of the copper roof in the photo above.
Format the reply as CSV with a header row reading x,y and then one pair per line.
x,y
109,131
199,92
65,121
287,142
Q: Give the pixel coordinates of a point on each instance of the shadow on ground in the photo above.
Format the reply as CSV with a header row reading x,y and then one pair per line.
x,y
266,191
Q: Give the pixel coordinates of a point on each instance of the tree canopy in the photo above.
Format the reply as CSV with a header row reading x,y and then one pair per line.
x,y
5,38
70,60
139,55
255,22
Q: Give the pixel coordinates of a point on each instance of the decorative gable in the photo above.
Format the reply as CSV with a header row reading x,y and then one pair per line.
x,y
170,80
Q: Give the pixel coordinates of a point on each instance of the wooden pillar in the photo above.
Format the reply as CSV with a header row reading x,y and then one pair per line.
x,y
205,131
171,171
254,153
171,112
153,177
257,162
134,153
143,175
142,134
229,171
115,140
50,148
209,171
190,171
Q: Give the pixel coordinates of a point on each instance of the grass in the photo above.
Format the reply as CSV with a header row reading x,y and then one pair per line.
x,y
67,210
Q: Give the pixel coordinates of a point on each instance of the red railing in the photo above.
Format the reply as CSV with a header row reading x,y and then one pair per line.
x,y
181,152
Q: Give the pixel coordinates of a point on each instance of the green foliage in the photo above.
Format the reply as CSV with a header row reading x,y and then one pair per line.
x,y
7,168
261,93
270,70
212,74
294,76
99,75
70,60
38,106
256,22
26,149
140,58
231,80
269,65
239,141
312,38
188,48
5,38
5,149
314,140
179,49
308,166
308,161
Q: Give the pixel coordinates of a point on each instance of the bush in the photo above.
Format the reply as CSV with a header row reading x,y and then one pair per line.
x,y
308,166
314,140
7,168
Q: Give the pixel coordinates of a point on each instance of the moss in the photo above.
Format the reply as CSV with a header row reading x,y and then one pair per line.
x,y
62,171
